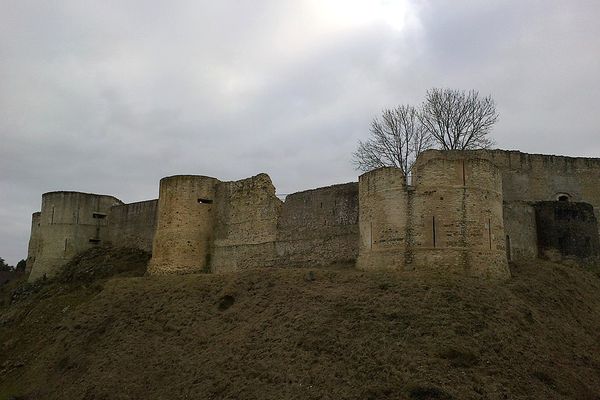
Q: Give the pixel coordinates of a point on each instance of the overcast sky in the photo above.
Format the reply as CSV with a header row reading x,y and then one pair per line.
x,y
109,96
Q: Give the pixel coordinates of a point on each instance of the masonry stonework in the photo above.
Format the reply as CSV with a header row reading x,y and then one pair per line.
x,y
184,225
319,227
133,225
246,224
70,222
450,219
383,219
34,242
469,212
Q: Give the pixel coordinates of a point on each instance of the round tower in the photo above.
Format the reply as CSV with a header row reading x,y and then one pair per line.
x,y
184,226
69,223
456,212
382,219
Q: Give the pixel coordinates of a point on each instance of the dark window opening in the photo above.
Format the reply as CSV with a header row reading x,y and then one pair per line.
x,y
587,249
563,244
563,197
490,232
98,215
204,201
433,228
94,240
508,252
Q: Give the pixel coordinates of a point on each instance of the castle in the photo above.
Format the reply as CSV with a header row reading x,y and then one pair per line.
x,y
465,211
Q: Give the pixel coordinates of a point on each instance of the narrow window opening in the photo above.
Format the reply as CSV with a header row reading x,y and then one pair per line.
x,y
433,230
204,201
588,246
563,244
508,251
98,215
490,231
52,217
563,197
94,240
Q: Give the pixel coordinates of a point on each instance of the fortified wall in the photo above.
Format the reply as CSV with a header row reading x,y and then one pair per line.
x,y
528,179
449,219
470,212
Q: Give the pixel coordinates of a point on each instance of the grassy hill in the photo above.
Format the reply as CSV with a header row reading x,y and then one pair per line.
x,y
101,330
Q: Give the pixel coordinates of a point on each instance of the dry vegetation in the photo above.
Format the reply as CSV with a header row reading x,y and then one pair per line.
x,y
295,334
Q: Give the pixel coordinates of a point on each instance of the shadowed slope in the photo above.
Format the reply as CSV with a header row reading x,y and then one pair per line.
x,y
273,334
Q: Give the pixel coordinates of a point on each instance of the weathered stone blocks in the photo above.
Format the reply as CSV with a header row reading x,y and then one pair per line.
x,y
184,225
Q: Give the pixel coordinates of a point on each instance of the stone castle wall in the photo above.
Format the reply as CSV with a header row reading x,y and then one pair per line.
x,y
465,211
383,219
531,178
567,229
133,225
70,222
457,215
450,219
246,224
319,227
34,241
520,230
184,225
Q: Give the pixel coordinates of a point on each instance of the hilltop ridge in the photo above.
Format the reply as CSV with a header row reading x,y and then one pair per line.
x,y
322,333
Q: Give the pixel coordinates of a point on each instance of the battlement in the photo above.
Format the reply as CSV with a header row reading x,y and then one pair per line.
x,y
465,211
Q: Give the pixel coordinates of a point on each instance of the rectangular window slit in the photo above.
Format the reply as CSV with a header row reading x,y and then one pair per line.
x,y
204,201
433,229
490,231
98,215
94,240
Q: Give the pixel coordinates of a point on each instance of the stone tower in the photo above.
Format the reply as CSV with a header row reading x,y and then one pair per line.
x,y
69,223
449,219
185,225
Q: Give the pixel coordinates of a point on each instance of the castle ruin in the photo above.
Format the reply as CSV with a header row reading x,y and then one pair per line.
x,y
469,212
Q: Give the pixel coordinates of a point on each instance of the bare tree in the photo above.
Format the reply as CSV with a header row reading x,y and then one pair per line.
x,y
458,120
397,138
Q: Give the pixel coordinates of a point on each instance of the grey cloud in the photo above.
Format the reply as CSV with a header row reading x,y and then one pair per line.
x,y
109,97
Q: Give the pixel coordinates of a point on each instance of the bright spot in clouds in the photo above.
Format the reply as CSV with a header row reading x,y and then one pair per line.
x,y
353,13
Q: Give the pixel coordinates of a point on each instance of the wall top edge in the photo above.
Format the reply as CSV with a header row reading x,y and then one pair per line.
x,y
325,188
72,192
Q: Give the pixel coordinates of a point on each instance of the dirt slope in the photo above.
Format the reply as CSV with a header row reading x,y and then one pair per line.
x,y
291,334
